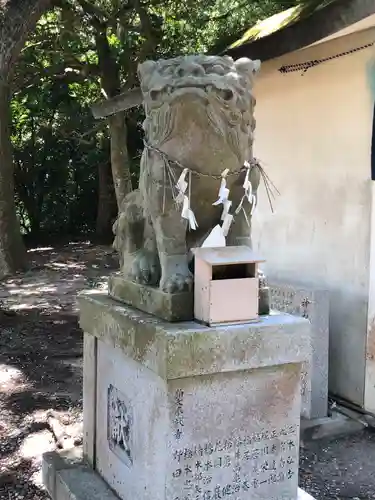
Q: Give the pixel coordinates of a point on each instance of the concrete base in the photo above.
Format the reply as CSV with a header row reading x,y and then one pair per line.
x,y
66,476
333,426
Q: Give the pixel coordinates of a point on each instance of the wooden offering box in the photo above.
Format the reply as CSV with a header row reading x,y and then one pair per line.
x,y
226,286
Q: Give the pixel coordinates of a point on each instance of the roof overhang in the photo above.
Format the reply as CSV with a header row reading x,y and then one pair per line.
x,y
335,19
365,24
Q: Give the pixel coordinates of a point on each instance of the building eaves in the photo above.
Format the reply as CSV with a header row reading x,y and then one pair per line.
x,y
299,27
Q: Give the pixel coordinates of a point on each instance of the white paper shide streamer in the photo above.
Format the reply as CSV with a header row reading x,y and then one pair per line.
x,y
219,233
226,217
223,191
217,236
215,239
184,199
247,195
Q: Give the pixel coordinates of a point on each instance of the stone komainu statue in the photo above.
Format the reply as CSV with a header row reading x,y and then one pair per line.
x,y
199,115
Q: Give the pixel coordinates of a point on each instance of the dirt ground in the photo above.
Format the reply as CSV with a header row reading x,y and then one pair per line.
x,y
41,378
340,469
41,361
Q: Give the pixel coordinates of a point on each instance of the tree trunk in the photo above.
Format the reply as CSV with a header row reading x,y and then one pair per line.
x,y
12,249
17,19
107,206
119,156
110,81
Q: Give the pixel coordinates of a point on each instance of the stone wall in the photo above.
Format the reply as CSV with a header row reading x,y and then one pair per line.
x,y
319,234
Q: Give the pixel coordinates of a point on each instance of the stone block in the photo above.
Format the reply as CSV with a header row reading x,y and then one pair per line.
x,y
168,306
54,462
80,482
302,495
314,306
185,411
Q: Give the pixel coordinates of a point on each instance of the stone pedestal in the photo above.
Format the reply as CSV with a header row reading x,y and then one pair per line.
x,y
170,307
187,412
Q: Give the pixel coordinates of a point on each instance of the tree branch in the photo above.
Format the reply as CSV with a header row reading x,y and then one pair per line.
x,y
96,16
151,34
17,19
220,17
122,10
58,72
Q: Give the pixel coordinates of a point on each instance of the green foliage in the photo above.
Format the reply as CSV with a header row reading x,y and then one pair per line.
x,y
55,168
81,51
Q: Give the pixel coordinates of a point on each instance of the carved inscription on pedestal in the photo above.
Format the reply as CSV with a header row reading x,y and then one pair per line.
x,y
119,421
290,301
237,468
179,413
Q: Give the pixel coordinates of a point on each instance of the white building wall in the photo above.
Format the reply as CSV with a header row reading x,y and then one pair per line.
x,y
313,137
